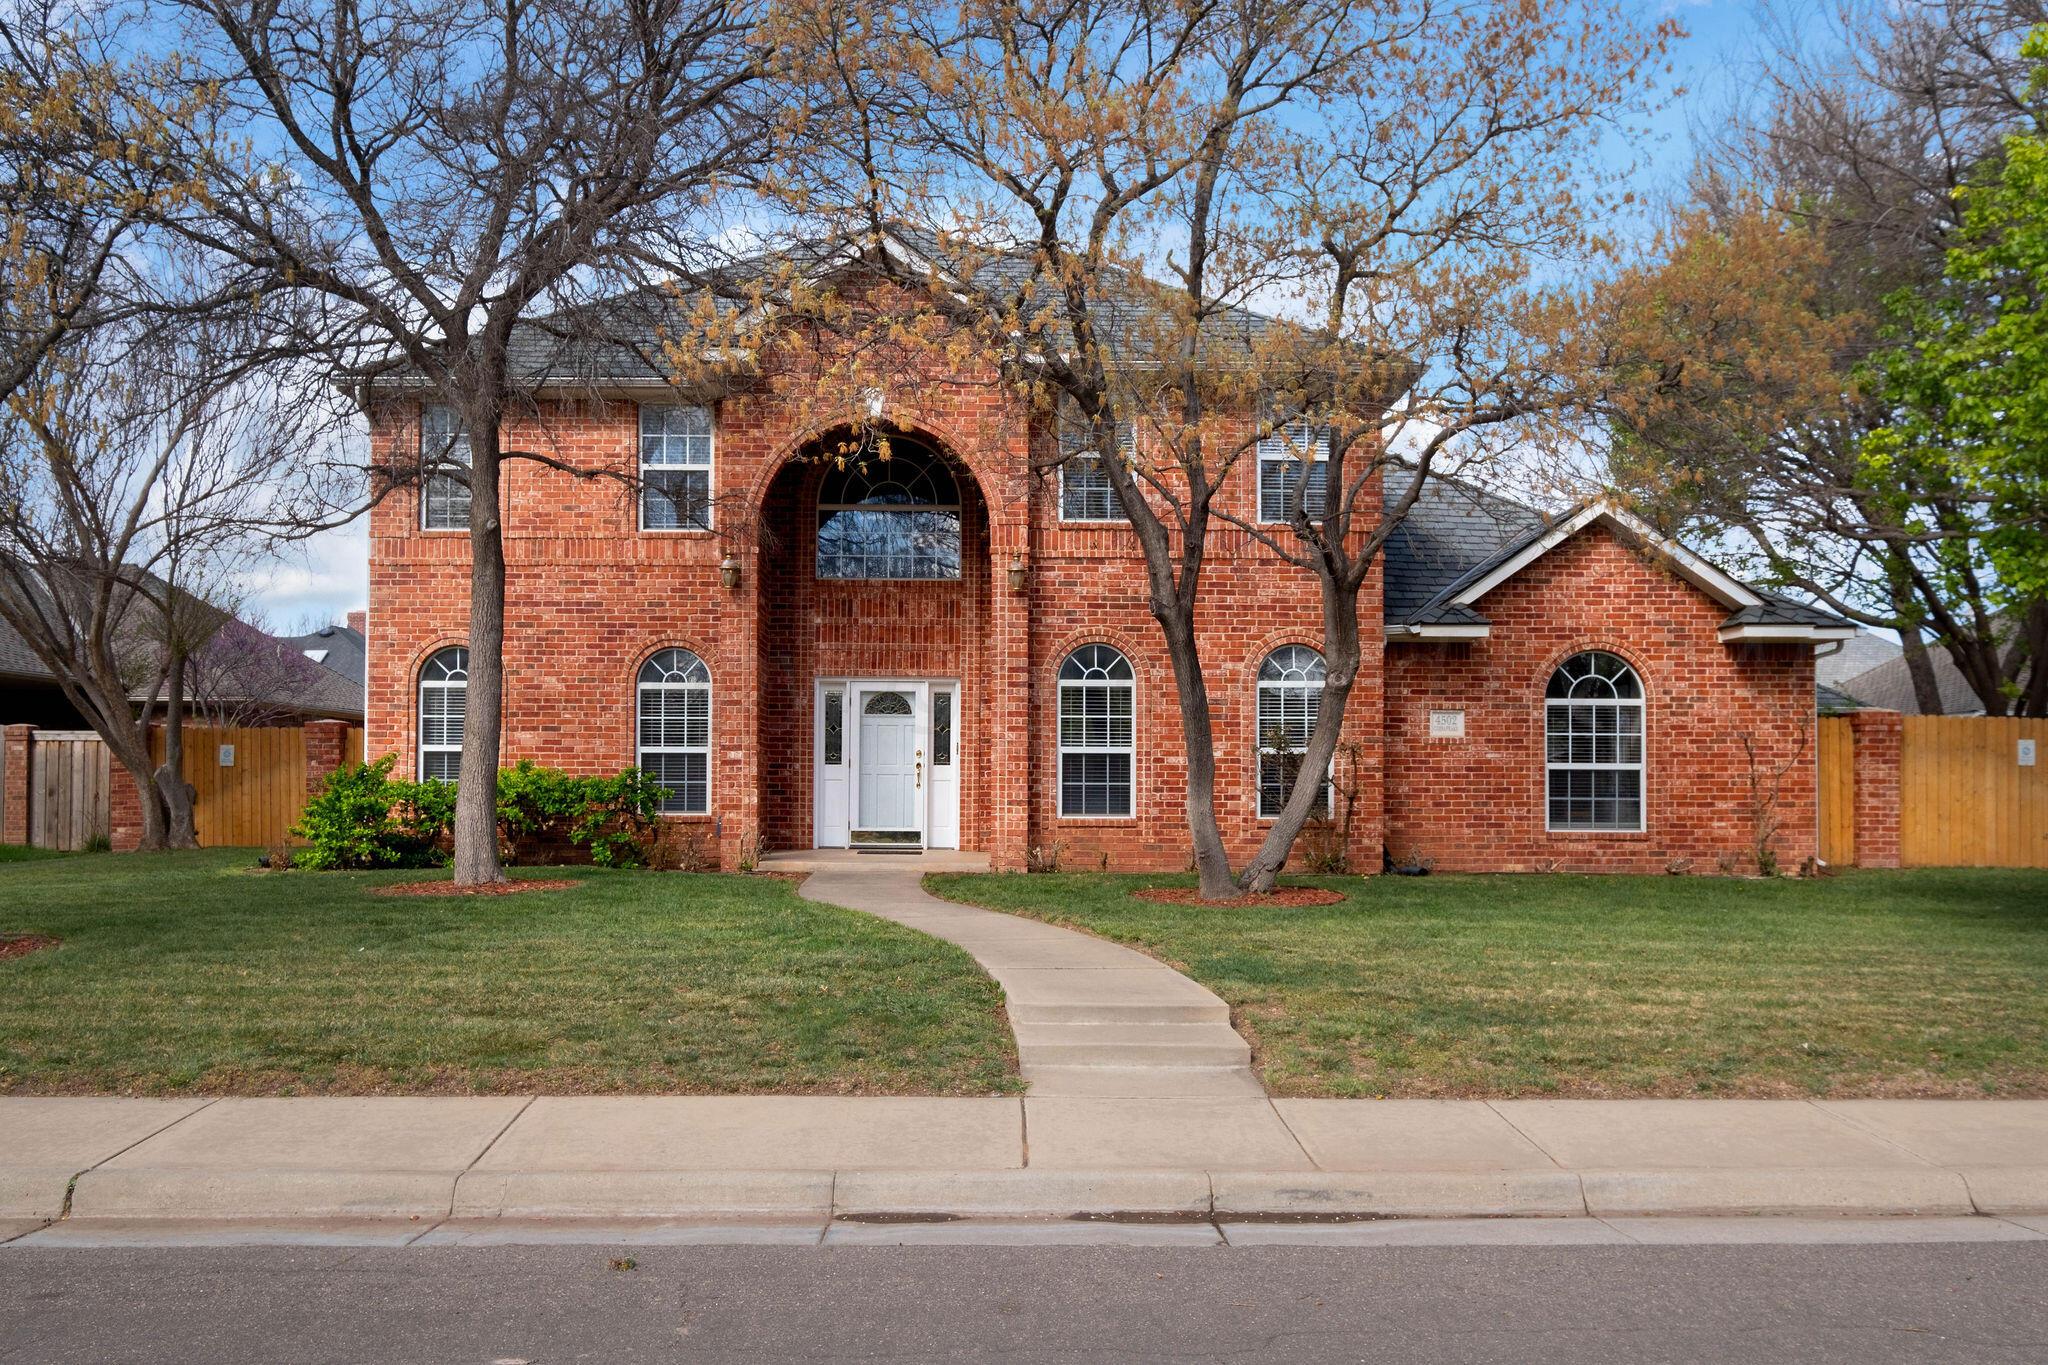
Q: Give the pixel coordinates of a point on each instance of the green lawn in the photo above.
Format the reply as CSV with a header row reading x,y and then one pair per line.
x,y
193,973
1914,983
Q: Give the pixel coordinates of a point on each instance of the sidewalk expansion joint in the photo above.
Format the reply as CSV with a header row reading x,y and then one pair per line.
x,y
71,1185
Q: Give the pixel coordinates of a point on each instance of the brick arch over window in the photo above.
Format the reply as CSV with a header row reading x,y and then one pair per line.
x,y
997,496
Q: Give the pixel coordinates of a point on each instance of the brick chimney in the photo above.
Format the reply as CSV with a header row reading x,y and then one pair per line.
x,y
359,622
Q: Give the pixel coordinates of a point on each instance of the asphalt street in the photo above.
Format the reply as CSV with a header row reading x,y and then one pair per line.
x,y
541,1305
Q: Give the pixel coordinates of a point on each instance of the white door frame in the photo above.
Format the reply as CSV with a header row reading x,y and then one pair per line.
x,y
855,692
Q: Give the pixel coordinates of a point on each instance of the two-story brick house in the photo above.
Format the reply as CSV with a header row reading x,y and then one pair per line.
x,y
947,649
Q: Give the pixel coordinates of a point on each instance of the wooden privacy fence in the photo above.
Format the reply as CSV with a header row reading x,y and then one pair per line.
x,y
249,783
70,778
1933,791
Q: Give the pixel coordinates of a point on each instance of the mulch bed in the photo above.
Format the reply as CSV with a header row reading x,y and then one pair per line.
x,y
1281,895
21,945
512,888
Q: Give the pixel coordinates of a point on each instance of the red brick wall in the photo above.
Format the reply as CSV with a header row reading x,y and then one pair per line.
x,y
1477,803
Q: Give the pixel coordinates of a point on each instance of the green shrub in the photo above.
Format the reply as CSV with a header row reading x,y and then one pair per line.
x,y
614,817
362,818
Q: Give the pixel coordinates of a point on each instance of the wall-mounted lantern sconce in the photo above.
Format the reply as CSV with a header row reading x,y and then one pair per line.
x,y
729,572
1016,573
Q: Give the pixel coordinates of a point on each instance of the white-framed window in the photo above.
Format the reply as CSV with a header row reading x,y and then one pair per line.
x,y
1097,733
1085,490
1593,744
1294,462
444,450
675,729
894,518
1290,698
444,691
676,452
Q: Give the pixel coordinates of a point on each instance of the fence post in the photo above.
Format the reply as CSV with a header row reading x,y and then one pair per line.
x,y
326,745
1878,739
20,743
124,808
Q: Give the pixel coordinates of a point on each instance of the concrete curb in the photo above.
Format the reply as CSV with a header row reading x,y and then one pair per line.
x,y
1892,1190
142,1193
35,1192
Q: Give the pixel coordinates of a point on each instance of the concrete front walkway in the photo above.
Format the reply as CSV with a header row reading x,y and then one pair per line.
x,y
108,1162
1092,1018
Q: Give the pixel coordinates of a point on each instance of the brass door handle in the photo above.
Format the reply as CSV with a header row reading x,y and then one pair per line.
x,y
920,774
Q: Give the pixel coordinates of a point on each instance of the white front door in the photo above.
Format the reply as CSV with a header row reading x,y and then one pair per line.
x,y
890,780
887,763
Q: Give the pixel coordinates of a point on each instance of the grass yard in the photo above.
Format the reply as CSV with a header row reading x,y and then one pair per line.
x,y
1915,983
192,973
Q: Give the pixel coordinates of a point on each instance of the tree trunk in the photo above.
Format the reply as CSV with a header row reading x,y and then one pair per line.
x,y
476,795
1920,668
1212,860
180,830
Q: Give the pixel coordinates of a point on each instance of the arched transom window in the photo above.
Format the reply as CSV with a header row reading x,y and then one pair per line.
x,y
889,518
1290,696
1097,734
675,729
444,691
1593,744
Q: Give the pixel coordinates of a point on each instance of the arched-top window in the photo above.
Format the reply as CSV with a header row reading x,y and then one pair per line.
x,y
1593,744
444,691
1097,733
1290,697
893,518
675,729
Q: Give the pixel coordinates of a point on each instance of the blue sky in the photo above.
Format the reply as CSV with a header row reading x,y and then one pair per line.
x,y
329,574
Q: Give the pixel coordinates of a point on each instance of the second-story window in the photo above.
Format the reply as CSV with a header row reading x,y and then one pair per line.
x,y
1085,490
1293,465
444,469
675,468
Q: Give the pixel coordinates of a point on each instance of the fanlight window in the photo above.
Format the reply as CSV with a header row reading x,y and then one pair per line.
x,y
675,729
1593,744
1097,733
1290,697
444,691
893,518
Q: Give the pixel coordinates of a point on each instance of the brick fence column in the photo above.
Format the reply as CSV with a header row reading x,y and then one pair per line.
x,y
1878,736
326,742
124,809
20,743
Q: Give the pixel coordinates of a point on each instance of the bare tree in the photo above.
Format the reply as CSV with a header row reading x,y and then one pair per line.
x,y
439,175
1103,194
138,461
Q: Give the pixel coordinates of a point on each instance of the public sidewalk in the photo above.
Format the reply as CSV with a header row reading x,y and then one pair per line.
x,y
80,1160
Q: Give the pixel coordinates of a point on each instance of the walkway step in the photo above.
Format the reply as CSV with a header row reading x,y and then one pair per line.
x,y
1143,1082
1168,1045
1113,1012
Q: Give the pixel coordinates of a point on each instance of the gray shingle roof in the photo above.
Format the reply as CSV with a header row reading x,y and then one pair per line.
x,y
1456,535
17,660
341,646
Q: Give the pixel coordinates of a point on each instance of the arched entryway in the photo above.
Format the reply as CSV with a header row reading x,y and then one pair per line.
x,y
874,642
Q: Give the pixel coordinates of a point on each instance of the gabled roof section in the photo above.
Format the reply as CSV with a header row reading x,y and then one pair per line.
x,y
1458,544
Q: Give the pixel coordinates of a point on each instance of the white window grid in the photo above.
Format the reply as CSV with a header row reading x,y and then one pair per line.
x,y
444,692
1097,735
1282,454
1290,698
673,720
1594,747
678,450
444,445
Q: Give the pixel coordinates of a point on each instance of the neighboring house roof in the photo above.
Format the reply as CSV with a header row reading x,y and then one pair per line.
x,y
1890,686
17,660
1860,655
1833,700
1458,544
338,648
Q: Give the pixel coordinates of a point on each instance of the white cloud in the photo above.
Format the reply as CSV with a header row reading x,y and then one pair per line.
x,y
312,584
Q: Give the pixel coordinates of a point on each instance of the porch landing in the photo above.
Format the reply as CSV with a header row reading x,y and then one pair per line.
x,y
1092,1018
